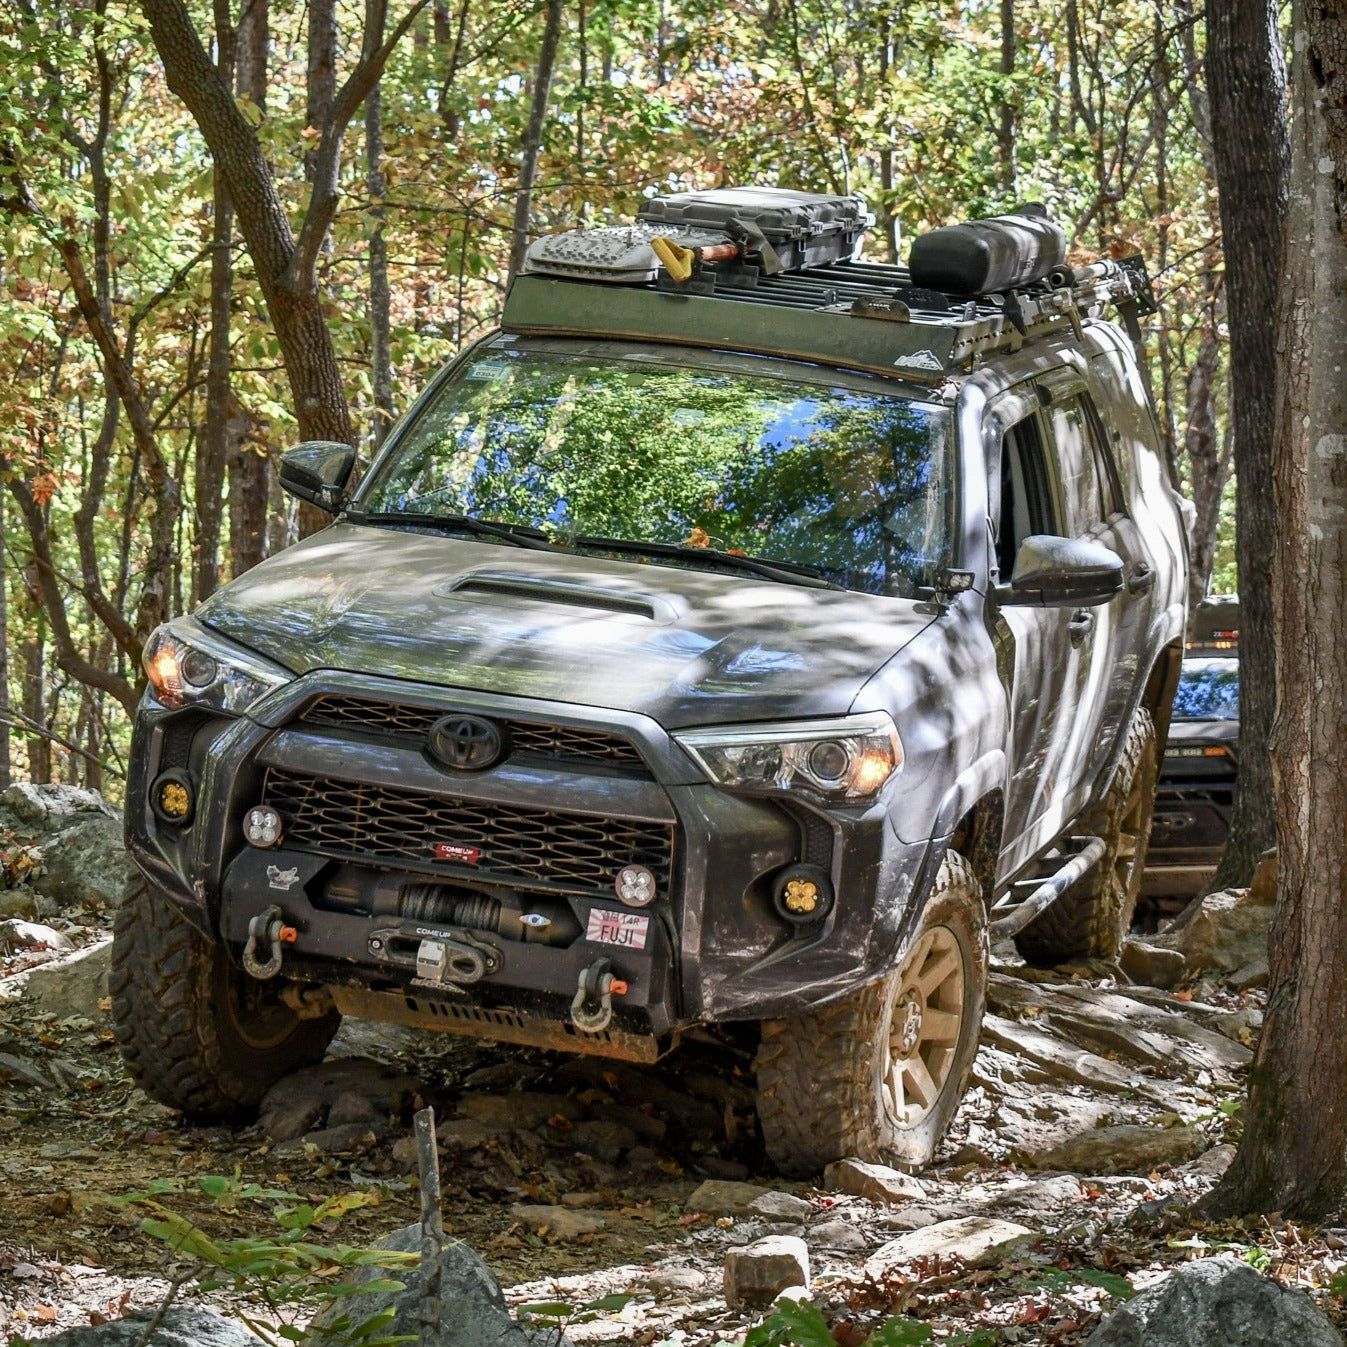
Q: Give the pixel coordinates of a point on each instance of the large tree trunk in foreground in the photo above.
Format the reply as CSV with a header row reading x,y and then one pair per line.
x,y
1293,1156
1246,79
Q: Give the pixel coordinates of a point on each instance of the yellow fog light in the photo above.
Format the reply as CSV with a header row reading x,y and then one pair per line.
x,y
803,893
800,895
172,797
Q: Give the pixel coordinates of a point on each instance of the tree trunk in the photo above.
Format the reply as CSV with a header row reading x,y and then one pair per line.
x,y
1246,81
533,135
1293,1155
1206,458
249,467
1005,136
380,332
5,712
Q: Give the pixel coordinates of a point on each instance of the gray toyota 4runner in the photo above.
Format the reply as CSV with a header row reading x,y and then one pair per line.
x,y
735,638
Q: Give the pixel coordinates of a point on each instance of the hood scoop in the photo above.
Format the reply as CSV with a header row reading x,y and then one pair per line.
x,y
541,589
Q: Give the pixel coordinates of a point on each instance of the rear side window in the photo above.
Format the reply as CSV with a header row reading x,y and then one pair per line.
x,y
1087,483
1028,504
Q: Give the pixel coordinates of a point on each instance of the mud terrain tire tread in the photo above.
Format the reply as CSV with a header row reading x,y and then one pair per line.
x,y
1091,920
178,1038
817,1095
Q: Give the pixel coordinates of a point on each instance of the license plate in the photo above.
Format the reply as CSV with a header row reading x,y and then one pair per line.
x,y
607,927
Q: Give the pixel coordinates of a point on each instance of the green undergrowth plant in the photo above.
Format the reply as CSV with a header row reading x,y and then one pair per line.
x,y
798,1323
294,1272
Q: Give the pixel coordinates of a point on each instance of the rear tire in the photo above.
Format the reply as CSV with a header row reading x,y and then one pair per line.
x,y
1092,918
879,1074
196,1033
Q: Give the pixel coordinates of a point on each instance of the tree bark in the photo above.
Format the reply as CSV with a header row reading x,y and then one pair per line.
x,y
1005,136
533,135
1293,1155
380,328
5,711
1246,81
1207,458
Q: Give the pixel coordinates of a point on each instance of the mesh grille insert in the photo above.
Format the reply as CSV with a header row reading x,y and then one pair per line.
x,y
401,721
547,847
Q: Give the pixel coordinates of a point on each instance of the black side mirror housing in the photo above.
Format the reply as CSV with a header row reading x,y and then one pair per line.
x,y
1055,572
317,471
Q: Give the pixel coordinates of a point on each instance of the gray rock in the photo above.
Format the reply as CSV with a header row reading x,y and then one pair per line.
x,y
19,934
466,1134
781,1207
84,865
351,1107
1128,1148
726,1196
17,903
1039,1199
837,1234
877,1182
1210,1164
757,1273
1252,975
675,1281
71,985
969,1239
472,1308
304,1098
1216,1302
20,1068
1223,932
348,1139
1153,965
181,1326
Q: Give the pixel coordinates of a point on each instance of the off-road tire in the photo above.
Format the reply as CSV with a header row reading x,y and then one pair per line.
x,y
1092,918
197,1033
823,1078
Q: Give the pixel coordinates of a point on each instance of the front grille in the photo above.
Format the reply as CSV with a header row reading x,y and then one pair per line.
x,y
550,848
400,721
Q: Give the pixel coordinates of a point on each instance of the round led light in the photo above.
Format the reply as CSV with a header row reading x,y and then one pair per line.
x,y
635,886
173,797
262,826
198,669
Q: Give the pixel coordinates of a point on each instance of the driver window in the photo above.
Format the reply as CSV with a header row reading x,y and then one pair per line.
x,y
1027,505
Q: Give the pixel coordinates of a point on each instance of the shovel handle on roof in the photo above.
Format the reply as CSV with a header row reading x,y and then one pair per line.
x,y
682,263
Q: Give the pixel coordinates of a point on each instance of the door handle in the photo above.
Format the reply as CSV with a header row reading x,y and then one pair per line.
x,y
1080,626
1141,580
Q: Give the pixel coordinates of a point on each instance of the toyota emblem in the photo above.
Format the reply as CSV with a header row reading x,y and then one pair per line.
x,y
466,743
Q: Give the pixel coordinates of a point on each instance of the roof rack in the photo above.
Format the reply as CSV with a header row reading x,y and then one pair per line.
x,y
711,278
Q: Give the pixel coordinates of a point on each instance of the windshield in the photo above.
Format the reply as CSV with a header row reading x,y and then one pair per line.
x,y
855,483
1208,690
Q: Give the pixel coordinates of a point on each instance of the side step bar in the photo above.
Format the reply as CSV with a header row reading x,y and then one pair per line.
x,y
1014,919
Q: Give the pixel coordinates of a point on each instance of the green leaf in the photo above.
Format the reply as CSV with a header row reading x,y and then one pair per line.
x,y
808,1328
214,1185
614,1302
900,1333
1118,1287
546,1309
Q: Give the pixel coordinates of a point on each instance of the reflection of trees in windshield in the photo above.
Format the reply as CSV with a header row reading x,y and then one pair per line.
x,y
1207,691
855,484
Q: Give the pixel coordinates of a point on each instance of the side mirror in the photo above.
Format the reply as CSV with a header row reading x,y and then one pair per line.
x,y
1060,572
318,472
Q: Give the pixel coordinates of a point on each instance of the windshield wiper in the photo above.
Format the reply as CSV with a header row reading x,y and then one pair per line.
x,y
519,534
791,572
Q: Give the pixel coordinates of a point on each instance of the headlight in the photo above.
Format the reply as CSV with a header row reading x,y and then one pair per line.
x,y
847,759
189,666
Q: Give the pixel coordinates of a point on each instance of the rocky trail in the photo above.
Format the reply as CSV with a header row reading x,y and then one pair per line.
x,y
1099,1107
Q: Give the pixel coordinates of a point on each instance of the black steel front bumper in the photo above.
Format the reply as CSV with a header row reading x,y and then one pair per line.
x,y
370,814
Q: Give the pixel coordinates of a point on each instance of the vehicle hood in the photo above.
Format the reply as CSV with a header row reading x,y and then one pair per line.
x,y
683,646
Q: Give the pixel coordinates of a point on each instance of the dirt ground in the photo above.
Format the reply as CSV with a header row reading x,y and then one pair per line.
x,y
616,1153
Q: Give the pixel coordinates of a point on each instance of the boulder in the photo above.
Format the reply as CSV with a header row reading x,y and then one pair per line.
x,y
757,1273
967,1238
725,1197
72,985
837,1234
781,1207
181,1326
472,1308
1222,932
879,1183
80,836
1153,965
522,1110
1128,1148
1216,1302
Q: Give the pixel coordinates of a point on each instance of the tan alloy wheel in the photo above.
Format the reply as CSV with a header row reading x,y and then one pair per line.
x,y
925,1017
